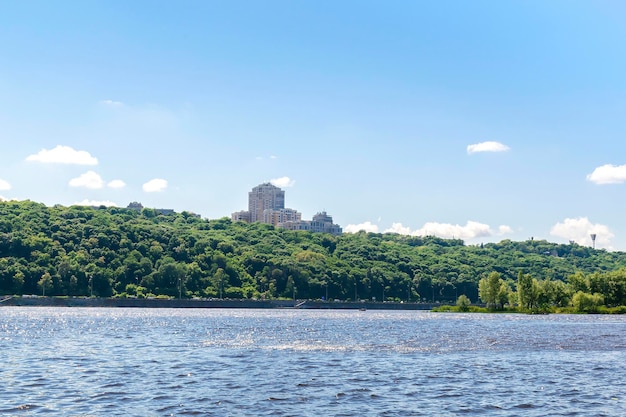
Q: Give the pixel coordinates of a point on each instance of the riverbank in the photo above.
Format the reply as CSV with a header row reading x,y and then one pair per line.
x,y
517,310
212,303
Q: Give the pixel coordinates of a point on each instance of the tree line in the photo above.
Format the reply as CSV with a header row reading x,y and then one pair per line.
x,y
119,252
580,293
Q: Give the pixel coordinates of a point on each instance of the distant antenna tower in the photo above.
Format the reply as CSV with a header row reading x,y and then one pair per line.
x,y
593,240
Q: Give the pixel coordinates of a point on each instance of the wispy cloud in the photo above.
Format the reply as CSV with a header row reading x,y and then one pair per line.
x,y
63,155
111,103
580,229
4,185
489,146
608,174
145,117
283,182
95,203
366,227
116,184
89,179
155,185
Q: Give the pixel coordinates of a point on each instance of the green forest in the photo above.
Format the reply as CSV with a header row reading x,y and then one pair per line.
x,y
119,252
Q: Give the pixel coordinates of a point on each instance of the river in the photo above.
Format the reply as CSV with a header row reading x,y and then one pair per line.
x,y
231,362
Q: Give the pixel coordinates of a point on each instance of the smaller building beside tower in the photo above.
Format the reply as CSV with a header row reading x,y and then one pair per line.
x,y
322,223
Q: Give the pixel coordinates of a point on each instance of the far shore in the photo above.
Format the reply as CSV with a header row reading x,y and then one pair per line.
x,y
39,301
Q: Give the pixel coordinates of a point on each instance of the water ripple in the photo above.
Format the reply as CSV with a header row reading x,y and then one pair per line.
x,y
119,362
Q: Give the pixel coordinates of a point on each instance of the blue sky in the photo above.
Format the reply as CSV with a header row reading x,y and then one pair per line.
x,y
482,120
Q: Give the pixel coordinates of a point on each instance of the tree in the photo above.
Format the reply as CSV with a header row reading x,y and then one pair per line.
x,y
555,293
18,282
493,291
45,283
218,281
524,290
587,303
528,291
170,276
463,303
73,285
578,282
502,297
290,288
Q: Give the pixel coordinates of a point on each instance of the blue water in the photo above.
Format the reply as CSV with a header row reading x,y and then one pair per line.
x,y
215,362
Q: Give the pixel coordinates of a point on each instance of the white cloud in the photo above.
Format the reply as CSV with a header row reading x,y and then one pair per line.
x,y
89,179
155,185
580,229
273,157
283,182
95,203
2,198
366,227
608,174
112,103
116,184
398,228
471,230
4,185
504,230
489,146
63,155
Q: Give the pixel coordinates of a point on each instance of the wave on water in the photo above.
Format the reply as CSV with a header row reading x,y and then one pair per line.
x,y
282,363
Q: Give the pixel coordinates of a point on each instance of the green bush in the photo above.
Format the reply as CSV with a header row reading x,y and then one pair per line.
x,y
587,303
463,303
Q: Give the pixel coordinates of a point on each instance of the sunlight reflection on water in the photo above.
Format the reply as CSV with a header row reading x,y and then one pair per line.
x,y
90,361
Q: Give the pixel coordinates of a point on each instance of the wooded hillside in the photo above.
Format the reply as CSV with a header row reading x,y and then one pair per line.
x,y
82,251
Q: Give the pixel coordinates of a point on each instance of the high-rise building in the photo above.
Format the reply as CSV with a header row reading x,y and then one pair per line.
x,y
264,197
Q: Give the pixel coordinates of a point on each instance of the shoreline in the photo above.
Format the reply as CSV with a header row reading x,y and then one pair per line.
x,y
17,301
